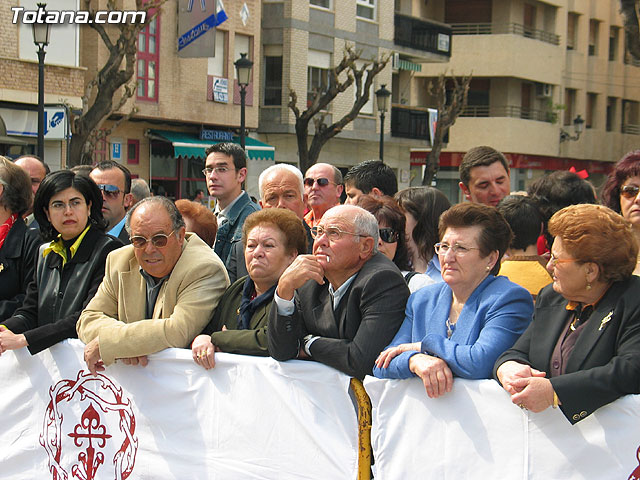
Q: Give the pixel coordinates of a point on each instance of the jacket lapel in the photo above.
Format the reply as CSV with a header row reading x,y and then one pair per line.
x,y
592,331
324,316
133,305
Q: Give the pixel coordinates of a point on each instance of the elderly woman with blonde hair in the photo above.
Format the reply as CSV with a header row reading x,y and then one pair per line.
x,y
582,350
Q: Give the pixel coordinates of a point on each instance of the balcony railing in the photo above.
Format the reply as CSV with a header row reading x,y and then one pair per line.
x,y
422,35
512,111
504,28
410,123
631,129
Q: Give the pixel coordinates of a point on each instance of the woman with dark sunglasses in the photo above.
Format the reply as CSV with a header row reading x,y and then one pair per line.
x,y
620,193
392,241
69,269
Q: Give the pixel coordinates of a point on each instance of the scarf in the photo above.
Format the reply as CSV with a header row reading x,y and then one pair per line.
x,y
248,307
6,226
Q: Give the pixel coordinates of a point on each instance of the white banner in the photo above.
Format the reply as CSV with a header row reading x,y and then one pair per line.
x,y
476,432
248,418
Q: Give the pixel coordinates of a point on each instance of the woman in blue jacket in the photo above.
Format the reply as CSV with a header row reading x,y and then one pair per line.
x,y
461,326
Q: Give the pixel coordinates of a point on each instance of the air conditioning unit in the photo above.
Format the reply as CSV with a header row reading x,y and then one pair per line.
x,y
395,61
544,90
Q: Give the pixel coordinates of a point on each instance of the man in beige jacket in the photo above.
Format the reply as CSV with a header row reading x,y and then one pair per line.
x,y
158,292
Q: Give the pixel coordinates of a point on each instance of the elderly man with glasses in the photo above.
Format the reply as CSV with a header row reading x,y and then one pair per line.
x,y
342,304
114,181
323,188
158,292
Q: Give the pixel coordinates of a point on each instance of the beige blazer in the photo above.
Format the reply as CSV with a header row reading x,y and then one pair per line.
x,y
187,299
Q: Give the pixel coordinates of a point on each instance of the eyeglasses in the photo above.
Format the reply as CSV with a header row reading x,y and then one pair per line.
x,y
110,191
457,249
159,240
219,170
629,191
333,233
59,206
322,182
388,235
553,260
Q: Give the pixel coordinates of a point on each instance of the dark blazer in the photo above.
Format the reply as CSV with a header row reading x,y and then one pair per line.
x,y
236,267
230,232
17,263
124,236
245,342
56,296
351,337
605,362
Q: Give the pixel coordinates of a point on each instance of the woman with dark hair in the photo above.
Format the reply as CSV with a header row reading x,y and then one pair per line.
x,y
392,241
582,349
272,239
620,193
460,326
68,208
18,244
422,207
555,191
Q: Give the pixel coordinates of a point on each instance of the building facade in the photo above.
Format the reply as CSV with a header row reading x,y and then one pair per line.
x,y
537,66
303,39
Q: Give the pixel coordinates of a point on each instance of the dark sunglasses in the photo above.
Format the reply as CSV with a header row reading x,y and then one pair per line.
x,y
629,191
388,235
110,191
322,182
159,240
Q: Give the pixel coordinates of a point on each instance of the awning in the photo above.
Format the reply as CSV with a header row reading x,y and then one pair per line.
x,y
189,145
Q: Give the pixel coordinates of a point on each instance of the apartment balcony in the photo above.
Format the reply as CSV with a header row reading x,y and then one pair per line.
x,y
511,111
410,122
631,129
422,39
505,28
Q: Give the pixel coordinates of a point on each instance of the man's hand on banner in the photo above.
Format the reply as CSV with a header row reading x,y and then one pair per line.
x,y
92,356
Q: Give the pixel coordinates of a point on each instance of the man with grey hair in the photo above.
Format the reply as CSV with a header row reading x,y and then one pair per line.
x,y
158,292
280,186
344,303
139,190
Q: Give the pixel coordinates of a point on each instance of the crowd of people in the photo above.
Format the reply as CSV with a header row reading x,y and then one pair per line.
x,y
535,289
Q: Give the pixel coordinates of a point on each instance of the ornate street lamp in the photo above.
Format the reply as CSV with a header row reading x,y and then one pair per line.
x,y
243,71
41,33
578,126
383,98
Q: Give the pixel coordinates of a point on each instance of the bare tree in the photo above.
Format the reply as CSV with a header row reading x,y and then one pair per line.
x,y
341,77
629,12
447,115
115,77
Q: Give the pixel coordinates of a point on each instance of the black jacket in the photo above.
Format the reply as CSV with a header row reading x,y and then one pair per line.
x,y
17,263
605,362
57,295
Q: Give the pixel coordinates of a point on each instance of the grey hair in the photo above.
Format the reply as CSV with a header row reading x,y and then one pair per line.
x,y
281,167
139,189
366,224
177,222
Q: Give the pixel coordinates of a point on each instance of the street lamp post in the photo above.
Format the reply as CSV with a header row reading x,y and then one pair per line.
x,y
578,125
41,33
383,97
243,70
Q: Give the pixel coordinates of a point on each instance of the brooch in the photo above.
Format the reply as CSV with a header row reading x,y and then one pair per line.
x,y
605,320
1,267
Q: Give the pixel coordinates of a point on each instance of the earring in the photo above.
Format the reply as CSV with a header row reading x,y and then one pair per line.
x,y
588,285
488,267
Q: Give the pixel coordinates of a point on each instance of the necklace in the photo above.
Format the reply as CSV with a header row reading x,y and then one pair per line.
x,y
450,328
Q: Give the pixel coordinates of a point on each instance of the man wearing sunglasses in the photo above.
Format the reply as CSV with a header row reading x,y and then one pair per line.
x,y
158,292
323,188
114,181
341,305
